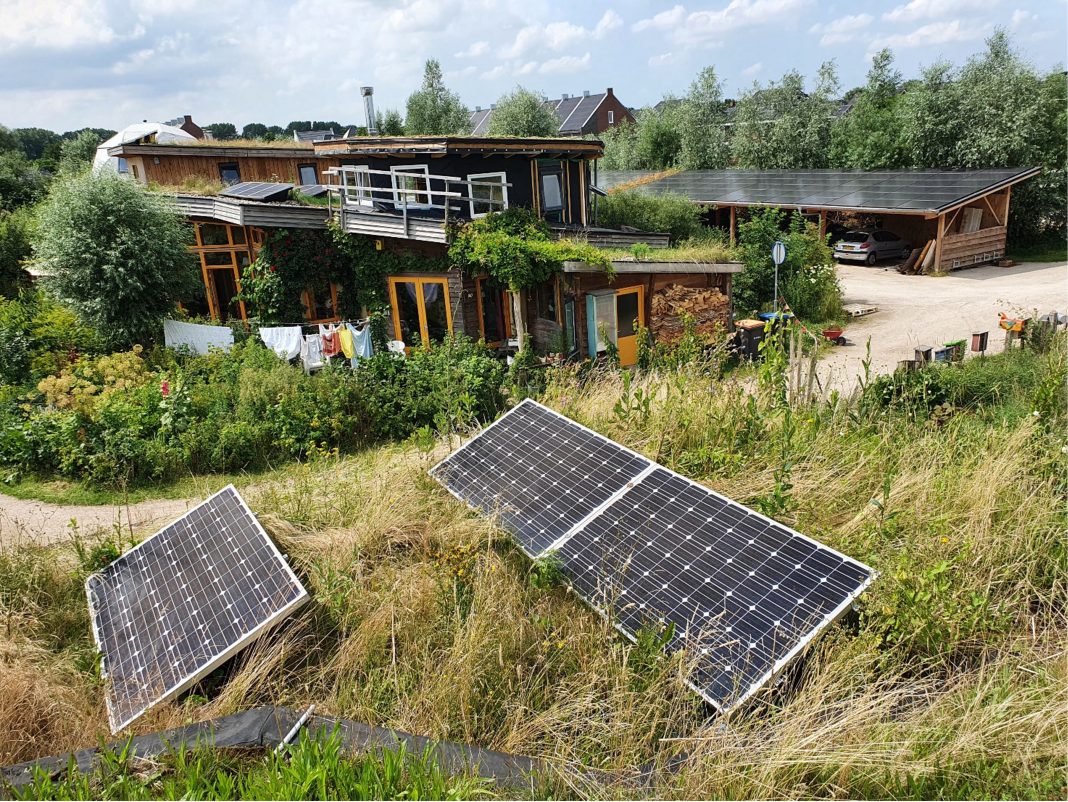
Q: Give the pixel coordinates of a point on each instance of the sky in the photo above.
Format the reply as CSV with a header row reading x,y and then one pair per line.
x,y
67,64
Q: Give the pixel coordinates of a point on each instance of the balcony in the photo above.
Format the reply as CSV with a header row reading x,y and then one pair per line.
x,y
411,208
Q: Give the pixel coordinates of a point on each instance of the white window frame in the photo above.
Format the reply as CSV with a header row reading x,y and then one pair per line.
x,y
611,117
399,192
358,192
493,207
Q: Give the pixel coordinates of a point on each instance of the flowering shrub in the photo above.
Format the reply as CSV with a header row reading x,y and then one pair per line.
x,y
115,420
814,293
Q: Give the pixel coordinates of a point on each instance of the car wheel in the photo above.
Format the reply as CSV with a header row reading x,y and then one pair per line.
x,y
871,258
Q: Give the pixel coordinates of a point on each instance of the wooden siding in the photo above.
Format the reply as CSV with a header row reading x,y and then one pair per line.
x,y
962,250
173,170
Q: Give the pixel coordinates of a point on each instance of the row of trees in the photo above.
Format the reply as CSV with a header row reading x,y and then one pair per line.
x,y
996,110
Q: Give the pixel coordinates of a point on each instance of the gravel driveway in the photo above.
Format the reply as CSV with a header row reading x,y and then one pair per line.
x,y
930,310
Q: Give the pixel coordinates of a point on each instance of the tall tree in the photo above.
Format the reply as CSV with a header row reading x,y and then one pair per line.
x,y
703,144
254,131
222,130
21,183
34,141
780,126
869,136
77,154
523,113
117,253
433,109
390,123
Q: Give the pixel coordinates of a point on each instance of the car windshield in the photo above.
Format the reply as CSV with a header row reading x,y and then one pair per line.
x,y
855,236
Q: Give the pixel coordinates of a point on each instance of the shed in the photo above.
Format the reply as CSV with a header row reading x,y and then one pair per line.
x,y
920,205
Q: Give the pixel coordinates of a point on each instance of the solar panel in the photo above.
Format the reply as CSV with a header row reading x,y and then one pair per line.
x,y
258,190
179,604
539,479
742,593
900,190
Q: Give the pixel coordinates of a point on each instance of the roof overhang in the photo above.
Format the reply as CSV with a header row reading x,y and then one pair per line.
x,y
251,213
628,267
126,151
462,146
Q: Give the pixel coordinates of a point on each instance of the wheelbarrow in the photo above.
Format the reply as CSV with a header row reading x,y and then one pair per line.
x,y
835,335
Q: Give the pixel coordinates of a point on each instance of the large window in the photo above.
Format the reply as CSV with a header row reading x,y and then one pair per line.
x,y
490,196
548,301
411,185
224,253
358,186
230,173
421,312
320,302
308,174
551,188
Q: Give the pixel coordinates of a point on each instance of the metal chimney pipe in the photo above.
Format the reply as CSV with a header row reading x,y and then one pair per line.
x,y
369,109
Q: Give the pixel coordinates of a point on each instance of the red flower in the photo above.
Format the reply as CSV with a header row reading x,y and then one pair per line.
x,y
274,269
165,388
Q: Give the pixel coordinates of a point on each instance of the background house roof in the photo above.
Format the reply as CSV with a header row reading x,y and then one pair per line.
x,y
573,112
905,191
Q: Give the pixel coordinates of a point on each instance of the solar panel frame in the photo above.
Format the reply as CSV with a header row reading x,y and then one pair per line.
x,y
118,721
560,543
265,191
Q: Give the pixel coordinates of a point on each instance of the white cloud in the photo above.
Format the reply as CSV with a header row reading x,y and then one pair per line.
x,y
565,64
662,60
559,35
1021,18
753,69
843,29
526,68
705,27
934,33
59,25
665,20
932,9
475,50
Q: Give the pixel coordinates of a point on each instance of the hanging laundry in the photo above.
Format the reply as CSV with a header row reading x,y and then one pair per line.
x,y
361,340
347,348
331,337
311,352
283,340
197,337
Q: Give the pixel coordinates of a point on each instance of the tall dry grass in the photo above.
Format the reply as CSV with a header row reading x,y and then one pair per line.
x,y
951,681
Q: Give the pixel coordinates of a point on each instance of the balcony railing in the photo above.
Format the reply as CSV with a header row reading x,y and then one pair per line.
x,y
401,210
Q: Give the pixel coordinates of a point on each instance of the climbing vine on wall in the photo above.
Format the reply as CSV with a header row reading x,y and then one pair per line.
x,y
514,247
293,260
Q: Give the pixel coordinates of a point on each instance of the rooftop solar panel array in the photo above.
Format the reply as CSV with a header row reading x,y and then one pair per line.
x,y
258,190
646,546
887,190
176,606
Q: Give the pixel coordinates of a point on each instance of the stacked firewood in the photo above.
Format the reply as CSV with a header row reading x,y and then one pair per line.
x,y
709,308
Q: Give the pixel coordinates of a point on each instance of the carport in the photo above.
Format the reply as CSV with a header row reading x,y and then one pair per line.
x,y
963,214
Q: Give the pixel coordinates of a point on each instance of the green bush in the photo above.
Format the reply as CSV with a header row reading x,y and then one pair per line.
x,y
38,337
107,420
673,214
805,270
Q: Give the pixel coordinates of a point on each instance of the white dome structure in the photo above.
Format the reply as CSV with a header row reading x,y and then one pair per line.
x,y
139,132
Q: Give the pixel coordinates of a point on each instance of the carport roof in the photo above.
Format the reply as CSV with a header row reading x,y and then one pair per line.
x,y
927,192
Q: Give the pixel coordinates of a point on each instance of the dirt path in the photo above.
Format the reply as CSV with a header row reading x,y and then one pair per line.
x,y
927,310
24,520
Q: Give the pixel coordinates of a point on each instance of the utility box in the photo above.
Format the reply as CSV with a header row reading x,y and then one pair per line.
x,y
748,334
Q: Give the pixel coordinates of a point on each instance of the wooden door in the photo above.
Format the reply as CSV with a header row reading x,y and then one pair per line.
x,y
630,314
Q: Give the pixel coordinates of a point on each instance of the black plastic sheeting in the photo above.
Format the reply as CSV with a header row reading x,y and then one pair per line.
x,y
265,727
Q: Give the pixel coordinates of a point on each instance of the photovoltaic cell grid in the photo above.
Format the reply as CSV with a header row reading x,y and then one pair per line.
x,y
744,594
176,606
540,486
904,190
258,190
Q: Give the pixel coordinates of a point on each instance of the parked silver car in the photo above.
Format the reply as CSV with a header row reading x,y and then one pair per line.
x,y
870,246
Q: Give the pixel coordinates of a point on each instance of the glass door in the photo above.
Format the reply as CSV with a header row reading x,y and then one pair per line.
x,y
421,311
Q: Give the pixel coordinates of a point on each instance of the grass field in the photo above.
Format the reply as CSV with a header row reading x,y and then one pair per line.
x,y
951,681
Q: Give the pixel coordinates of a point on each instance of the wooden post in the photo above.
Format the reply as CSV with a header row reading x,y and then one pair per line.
x,y
823,223
734,225
1005,213
519,315
937,266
